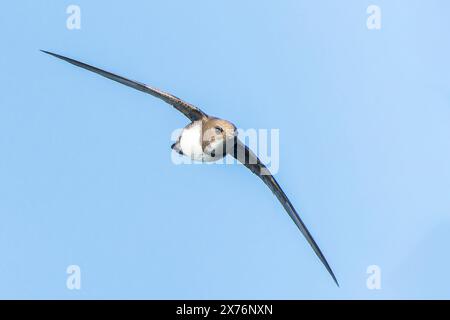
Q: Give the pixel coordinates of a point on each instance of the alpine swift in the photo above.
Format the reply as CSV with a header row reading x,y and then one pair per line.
x,y
209,138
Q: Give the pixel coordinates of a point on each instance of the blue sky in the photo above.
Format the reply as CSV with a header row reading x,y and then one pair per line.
x,y
86,176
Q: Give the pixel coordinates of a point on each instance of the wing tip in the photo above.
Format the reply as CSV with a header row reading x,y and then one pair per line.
x,y
47,52
330,271
53,54
335,280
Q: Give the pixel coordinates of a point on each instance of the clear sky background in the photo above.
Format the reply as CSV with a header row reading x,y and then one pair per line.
x,y
86,176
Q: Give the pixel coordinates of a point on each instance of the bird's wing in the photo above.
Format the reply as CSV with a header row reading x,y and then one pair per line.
x,y
189,110
244,155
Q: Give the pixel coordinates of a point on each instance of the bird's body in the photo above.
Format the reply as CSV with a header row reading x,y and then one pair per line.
x,y
190,142
208,139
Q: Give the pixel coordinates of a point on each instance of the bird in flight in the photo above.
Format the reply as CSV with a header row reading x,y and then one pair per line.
x,y
207,138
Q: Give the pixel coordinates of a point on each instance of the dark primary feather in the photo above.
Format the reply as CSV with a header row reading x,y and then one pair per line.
x,y
242,153
190,111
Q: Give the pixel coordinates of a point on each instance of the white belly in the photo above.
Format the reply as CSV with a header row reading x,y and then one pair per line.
x,y
191,141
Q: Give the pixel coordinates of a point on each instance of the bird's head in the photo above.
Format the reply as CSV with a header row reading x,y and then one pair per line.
x,y
218,136
219,129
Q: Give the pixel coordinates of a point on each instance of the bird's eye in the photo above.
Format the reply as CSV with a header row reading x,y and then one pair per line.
x,y
218,130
